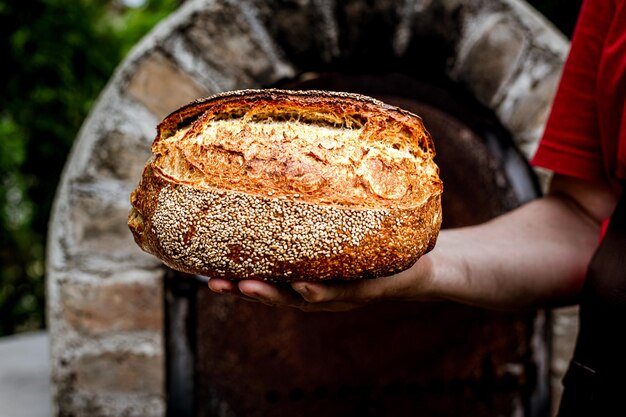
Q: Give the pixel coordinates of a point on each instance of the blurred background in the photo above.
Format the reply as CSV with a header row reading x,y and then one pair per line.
x,y
58,56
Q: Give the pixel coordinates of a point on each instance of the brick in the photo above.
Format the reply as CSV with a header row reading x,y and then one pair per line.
x,y
493,57
99,308
119,372
99,225
300,30
118,156
529,98
224,37
75,403
160,86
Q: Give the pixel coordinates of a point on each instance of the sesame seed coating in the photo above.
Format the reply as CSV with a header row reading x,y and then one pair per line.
x,y
247,236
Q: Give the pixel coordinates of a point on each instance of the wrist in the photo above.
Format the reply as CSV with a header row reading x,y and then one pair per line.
x,y
413,284
437,276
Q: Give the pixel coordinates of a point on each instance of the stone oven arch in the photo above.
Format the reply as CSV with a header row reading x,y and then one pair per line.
x,y
105,297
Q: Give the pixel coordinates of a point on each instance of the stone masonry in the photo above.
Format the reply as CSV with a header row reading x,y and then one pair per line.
x,y
105,296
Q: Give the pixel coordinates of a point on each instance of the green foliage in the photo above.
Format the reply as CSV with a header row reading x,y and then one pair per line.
x,y
57,56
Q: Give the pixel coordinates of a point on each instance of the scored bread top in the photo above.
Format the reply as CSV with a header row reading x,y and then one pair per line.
x,y
318,147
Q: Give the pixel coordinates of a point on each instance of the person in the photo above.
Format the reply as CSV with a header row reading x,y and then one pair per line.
x,y
548,252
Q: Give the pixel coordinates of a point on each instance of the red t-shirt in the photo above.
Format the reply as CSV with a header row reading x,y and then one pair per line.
x,y
585,136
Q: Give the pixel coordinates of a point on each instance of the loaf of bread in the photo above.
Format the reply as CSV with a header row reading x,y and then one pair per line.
x,y
284,185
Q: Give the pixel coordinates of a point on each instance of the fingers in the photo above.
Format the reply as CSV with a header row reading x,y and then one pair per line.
x,y
227,287
403,286
314,296
222,285
308,296
271,294
252,290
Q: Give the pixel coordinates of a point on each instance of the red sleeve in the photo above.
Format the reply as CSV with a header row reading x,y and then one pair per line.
x,y
571,142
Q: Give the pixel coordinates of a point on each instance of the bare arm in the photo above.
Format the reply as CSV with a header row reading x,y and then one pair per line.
x,y
535,255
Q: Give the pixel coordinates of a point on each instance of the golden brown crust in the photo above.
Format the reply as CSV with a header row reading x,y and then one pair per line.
x,y
282,185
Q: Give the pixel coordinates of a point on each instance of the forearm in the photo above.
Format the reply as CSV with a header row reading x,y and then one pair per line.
x,y
535,255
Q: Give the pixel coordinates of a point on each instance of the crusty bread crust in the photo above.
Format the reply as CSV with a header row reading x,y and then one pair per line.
x,y
289,185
